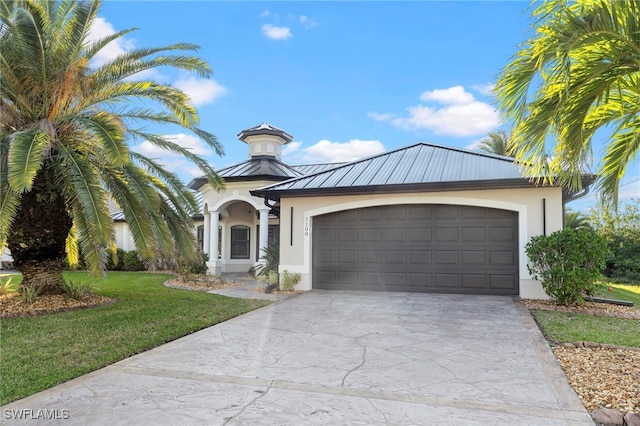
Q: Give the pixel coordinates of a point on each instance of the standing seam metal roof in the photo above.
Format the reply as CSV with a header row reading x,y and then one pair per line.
x,y
422,163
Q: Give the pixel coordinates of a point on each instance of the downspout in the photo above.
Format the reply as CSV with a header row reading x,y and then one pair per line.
x,y
544,217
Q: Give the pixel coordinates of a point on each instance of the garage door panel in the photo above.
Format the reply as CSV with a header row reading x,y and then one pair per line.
x,y
417,281
372,213
446,257
502,257
395,213
502,233
325,256
420,235
474,234
502,282
348,216
428,248
471,212
446,213
446,281
393,235
371,278
420,257
446,234
371,256
419,212
371,234
348,256
474,281
395,279
475,258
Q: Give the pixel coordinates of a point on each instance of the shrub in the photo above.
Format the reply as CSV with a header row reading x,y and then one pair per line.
x,y
131,262
271,257
193,266
568,263
115,261
77,290
289,280
620,227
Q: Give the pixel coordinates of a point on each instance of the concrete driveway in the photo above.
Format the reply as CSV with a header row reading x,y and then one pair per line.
x,y
334,358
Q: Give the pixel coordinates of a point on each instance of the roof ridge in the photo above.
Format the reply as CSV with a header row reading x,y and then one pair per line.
x,y
470,151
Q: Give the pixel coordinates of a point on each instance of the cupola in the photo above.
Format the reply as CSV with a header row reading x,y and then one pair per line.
x,y
265,140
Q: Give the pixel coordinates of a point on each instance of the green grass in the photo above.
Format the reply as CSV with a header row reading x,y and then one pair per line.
x,y
40,352
561,327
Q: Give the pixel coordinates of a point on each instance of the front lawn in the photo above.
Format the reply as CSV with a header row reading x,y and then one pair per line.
x,y
43,351
559,327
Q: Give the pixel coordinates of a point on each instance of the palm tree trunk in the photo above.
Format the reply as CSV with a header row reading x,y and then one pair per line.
x,y
38,236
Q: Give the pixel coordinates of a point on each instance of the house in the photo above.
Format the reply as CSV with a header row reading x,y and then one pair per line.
x,y
425,218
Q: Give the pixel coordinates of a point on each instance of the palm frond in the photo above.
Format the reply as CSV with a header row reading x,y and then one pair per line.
x,y
25,158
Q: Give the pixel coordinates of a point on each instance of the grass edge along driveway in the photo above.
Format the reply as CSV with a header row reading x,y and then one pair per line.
x,y
43,351
561,327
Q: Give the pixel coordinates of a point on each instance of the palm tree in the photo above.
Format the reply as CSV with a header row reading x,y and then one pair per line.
x,y
64,132
579,72
498,143
576,220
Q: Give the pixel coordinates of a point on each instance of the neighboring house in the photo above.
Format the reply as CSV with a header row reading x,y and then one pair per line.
x,y
424,218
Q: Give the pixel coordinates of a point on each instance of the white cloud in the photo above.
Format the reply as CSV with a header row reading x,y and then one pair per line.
x,y
326,151
173,162
475,145
265,14
202,91
381,117
307,22
456,113
276,33
452,96
485,89
102,28
291,148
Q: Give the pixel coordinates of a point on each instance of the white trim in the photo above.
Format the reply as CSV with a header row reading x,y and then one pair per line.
x,y
521,209
256,203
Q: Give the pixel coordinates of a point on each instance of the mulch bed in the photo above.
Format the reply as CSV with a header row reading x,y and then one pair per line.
x,y
12,306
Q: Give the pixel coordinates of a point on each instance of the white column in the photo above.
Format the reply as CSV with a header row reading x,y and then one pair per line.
x,y
213,236
207,233
264,233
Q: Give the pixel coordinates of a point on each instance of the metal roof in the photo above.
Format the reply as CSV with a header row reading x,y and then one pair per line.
x,y
265,129
256,168
118,216
308,169
423,166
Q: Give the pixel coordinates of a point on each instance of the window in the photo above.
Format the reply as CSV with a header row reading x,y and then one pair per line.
x,y
240,242
200,234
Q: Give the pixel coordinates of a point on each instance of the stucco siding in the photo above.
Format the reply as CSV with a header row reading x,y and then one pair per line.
x,y
296,232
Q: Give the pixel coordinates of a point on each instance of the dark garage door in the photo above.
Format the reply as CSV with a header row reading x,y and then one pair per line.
x,y
423,248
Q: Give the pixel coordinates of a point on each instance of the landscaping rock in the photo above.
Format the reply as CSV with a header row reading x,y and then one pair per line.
x,y
632,419
607,417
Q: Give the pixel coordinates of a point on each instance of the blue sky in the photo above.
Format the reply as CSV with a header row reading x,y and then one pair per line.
x,y
346,79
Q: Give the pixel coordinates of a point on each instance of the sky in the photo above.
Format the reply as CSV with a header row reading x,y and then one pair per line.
x,y
348,79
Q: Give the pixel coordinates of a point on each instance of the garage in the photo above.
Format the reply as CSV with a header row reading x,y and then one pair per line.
x,y
417,248
424,218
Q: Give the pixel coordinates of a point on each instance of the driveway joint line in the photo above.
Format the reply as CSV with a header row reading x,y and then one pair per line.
x,y
541,412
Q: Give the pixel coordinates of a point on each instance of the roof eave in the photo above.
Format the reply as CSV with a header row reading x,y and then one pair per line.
x,y
396,188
